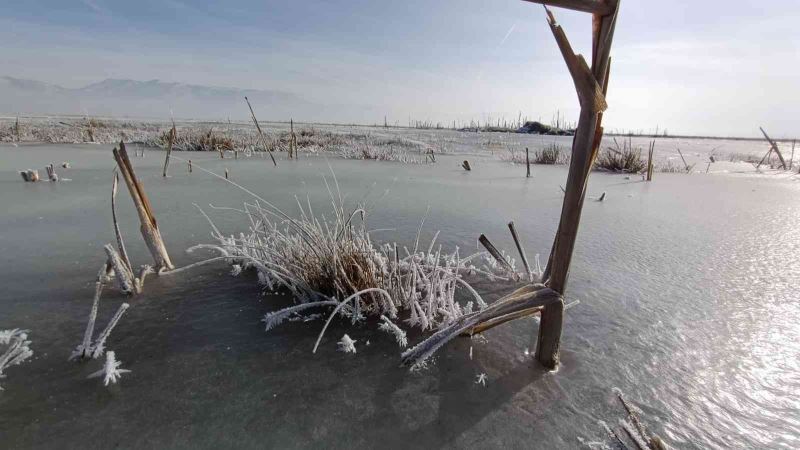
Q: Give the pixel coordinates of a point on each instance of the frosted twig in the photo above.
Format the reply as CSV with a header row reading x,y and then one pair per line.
x,y
18,349
98,347
389,327
110,372
347,345
275,318
82,350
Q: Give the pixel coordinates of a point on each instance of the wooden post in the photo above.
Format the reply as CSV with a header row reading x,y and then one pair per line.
x,y
190,166
292,140
791,160
466,166
149,226
172,134
260,134
16,128
226,173
528,162
773,147
591,86
650,161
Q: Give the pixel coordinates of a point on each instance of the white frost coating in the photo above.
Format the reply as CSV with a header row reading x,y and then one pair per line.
x,y
394,330
347,345
7,335
98,347
481,379
18,349
110,372
320,259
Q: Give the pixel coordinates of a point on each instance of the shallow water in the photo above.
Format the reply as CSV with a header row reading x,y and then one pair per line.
x,y
687,288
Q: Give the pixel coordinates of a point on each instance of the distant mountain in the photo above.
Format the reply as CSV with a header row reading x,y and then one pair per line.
x,y
154,98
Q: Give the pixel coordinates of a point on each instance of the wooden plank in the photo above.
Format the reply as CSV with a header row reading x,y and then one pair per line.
x,y
589,6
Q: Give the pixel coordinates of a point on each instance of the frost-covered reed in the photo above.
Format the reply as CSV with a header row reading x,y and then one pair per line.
x,y
111,371
18,349
334,263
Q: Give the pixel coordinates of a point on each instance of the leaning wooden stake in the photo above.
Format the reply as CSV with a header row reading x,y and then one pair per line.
x,y
172,134
466,166
774,148
260,134
591,85
149,226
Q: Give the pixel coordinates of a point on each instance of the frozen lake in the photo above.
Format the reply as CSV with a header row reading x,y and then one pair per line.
x,y
688,290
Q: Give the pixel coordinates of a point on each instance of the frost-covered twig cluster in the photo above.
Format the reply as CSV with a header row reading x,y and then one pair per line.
x,y
18,349
323,261
94,349
110,371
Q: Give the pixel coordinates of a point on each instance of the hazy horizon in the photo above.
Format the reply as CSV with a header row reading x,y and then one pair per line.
x,y
682,66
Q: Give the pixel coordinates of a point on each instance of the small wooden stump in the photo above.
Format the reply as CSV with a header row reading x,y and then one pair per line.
x,y
30,176
466,166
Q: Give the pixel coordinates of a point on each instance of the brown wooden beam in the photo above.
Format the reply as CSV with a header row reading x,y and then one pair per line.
x,y
590,6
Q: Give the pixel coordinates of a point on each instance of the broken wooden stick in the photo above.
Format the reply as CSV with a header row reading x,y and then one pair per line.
x,y
773,147
29,175
123,253
149,226
495,253
528,162
466,166
123,273
172,135
260,134
521,250
525,298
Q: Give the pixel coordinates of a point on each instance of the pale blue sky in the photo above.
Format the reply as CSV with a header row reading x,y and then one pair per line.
x,y
700,67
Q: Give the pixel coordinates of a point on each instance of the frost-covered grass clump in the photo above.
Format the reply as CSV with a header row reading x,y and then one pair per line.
x,y
334,263
18,349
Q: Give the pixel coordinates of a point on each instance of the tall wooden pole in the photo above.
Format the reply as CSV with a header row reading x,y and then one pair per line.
x,y
591,86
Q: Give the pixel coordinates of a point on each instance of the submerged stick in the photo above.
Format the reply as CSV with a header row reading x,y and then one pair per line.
x,y
521,250
258,127
494,252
